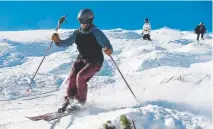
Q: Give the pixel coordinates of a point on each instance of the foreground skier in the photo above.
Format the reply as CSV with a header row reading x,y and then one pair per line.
x,y
90,41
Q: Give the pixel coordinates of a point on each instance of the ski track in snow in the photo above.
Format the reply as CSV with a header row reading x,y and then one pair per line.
x,y
170,76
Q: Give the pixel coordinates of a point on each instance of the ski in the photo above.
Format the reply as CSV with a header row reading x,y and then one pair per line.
x,y
53,115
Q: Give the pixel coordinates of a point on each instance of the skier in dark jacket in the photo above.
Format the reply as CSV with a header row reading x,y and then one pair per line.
x,y
90,41
200,29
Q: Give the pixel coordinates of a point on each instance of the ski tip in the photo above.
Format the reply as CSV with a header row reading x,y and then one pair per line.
x,y
27,117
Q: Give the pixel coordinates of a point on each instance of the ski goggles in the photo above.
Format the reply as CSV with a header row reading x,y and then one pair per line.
x,y
83,21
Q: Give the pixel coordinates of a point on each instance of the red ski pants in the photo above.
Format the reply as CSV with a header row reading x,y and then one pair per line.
x,y
81,73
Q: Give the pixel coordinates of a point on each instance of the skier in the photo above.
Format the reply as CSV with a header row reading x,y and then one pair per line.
x,y
146,30
200,29
90,41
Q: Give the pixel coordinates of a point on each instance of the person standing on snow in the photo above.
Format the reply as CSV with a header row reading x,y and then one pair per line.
x,y
90,41
200,29
146,30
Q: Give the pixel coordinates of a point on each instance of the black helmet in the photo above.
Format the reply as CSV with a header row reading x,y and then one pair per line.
x,y
146,20
85,14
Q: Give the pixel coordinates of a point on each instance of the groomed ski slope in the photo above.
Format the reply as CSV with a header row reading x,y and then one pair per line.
x,y
171,77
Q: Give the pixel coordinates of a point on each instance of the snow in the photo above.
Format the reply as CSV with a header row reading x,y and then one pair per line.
x,y
170,76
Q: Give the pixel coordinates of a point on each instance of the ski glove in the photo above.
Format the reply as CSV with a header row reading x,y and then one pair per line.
x,y
108,51
55,38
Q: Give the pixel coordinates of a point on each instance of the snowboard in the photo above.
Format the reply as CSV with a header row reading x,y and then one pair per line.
x,y
53,115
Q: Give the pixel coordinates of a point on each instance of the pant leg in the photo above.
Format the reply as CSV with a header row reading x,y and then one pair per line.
x,y
72,87
144,37
202,35
83,77
198,35
148,37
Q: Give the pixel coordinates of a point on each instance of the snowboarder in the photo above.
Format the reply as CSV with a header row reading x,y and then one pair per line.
x,y
146,30
90,41
200,29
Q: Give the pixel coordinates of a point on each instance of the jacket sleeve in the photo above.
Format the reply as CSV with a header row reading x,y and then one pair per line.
x,y
143,28
101,38
68,41
205,29
196,29
149,28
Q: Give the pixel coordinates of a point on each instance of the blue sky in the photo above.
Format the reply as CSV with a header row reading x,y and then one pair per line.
x,y
108,15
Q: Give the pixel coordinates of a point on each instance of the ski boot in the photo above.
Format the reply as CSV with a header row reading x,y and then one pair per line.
x,y
64,106
76,105
72,108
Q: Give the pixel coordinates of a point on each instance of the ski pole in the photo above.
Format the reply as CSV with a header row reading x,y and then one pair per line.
x,y
39,66
61,20
123,78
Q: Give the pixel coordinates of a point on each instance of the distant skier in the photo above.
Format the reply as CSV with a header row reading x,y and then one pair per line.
x,y
200,29
90,41
146,30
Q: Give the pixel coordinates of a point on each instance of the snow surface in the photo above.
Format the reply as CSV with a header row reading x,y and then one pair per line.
x,y
170,76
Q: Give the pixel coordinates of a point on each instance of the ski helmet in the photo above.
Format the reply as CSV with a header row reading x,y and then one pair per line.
x,y
146,20
85,15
